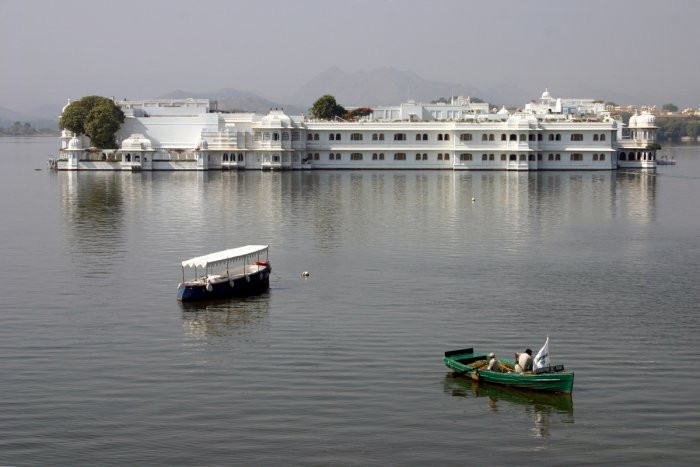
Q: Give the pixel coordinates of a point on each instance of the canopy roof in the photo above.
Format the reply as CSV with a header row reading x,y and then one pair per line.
x,y
222,257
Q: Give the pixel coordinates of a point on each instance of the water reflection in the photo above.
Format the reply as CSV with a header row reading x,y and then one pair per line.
x,y
545,409
225,317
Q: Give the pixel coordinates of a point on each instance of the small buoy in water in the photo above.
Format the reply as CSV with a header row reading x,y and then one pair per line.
x,y
305,274
473,199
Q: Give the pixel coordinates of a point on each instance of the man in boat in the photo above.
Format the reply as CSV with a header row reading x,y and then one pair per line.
x,y
493,363
523,361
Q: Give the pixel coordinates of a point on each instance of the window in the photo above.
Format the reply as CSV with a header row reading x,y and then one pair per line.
x,y
337,136
381,136
484,137
310,137
602,137
602,157
539,156
531,157
491,137
356,156
595,156
539,137
315,136
466,137
577,157
381,156
425,157
465,157
439,136
577,137
439,156
418,157
285,136
331,157
513,137
374,137
425,136
490,157
400,156
374,156
399,136
557,157
356,137
513,157
523,137
550,137
225,157
331,137
295,135
484,157
447,157
447,137
557,137
503,157
595,138
417,136
240,157
503,137
531,137
550,157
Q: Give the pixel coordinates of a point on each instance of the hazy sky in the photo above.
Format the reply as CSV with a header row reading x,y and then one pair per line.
x,y
54,50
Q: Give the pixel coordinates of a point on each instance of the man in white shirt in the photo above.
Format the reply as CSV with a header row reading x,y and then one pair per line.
x,y
523,361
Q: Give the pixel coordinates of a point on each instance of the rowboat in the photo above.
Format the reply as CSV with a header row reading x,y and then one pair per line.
x,y
551,378
236,272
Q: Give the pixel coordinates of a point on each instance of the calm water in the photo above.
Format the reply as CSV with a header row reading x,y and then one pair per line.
x,y
102,366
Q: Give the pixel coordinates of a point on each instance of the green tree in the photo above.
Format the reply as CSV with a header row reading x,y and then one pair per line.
x,y
326,108
670,107
97,117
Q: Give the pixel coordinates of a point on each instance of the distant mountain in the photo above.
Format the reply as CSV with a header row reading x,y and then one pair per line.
x,y
387,86
230,99
39,118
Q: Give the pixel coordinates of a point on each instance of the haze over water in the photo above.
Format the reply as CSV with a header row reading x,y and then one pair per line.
x,y
102,366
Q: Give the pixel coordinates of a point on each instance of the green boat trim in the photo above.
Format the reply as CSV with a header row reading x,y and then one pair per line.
x,y
468,362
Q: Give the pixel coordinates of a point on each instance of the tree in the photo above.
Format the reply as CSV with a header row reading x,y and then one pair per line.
x,y
97,117
326,108
670,107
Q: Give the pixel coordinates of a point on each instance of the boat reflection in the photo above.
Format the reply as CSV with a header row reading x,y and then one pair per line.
x,y
225,317
544,408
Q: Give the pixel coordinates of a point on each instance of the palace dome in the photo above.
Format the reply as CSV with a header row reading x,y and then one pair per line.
x,y
503,111
276,119
137,142
546,94
74,144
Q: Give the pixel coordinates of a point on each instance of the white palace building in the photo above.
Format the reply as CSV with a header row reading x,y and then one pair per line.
x,y
549,134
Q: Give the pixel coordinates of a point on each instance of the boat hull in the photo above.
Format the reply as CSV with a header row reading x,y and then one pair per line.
x,y
463,362
255,283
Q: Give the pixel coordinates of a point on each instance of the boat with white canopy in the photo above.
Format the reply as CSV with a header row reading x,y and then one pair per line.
x,y
236,272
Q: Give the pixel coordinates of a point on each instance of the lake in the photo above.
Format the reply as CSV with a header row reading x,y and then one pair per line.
x,y
102,366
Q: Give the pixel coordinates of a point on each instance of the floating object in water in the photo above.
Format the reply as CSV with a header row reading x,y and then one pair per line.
x,y
473,199
305,274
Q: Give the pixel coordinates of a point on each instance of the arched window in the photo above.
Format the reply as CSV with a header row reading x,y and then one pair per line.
x,y
417,136
602,136
623,156
539,137
513,137
381,136
503,137
523,137
315,136
439,136
309,137
595,138
550,137
331,137
484,137
447,137
491,137
558,137
531,137
466,137
513,157
374,137
337,136
425,136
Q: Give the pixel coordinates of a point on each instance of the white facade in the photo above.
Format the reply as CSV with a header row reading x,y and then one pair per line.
x,y
189,135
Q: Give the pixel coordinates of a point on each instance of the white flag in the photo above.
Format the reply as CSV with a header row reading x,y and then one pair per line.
x,y
542,357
